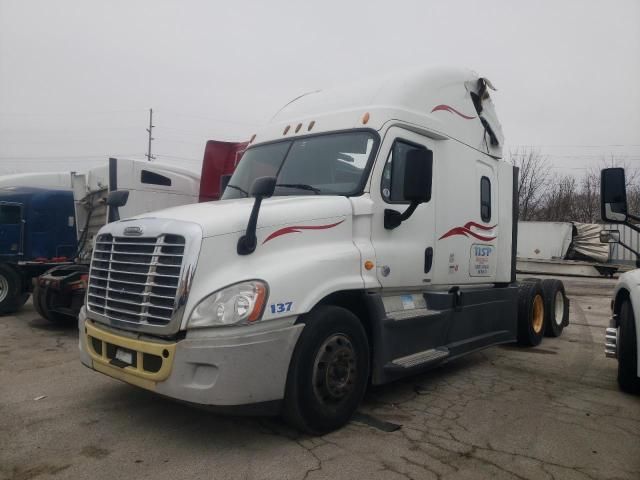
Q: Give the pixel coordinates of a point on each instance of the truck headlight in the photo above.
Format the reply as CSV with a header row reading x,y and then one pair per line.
x,y
240,303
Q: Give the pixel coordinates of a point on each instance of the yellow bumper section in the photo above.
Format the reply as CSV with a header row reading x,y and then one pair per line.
x,y
151,361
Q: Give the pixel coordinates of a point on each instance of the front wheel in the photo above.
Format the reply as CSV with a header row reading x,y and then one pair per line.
x,y
628,350
11,295
329,371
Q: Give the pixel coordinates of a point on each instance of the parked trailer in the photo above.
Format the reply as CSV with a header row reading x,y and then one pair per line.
x,y
359,240
562,248
61,291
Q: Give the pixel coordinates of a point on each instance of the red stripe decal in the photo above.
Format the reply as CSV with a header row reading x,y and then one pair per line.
x,y
297,228
449,109
466,231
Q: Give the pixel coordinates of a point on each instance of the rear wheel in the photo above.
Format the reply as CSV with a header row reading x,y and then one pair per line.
x,y
628,350
11,295
531,318
329,371
556,306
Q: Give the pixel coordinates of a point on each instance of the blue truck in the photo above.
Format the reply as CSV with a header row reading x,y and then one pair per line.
x,y
37,232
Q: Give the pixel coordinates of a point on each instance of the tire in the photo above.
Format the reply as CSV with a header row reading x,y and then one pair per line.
x,y
333,341
11,293
39,301
530,314
556,307
628,350
43,301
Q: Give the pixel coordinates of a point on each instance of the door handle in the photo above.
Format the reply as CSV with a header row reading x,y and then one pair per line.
x,y
428,259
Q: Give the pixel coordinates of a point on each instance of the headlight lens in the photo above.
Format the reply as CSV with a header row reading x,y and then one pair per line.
x,y
240,303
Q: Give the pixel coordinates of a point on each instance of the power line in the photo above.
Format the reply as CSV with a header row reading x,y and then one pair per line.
x,y
67,113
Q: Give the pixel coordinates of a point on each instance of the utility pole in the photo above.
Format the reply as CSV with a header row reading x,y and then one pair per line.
x,y
149,130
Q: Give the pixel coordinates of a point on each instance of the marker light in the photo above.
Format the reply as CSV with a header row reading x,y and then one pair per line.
x,y
241,303
368,265
298,127
365,118
286,129
311,124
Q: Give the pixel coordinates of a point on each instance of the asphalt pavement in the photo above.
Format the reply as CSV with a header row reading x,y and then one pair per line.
x,y
551,412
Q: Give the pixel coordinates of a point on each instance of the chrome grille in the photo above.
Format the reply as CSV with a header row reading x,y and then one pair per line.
x,y
136,280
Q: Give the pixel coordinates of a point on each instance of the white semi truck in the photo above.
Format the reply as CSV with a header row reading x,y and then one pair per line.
x,y
622,339
368,233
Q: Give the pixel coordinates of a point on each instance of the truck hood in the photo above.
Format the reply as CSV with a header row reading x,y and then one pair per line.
x,y
231,216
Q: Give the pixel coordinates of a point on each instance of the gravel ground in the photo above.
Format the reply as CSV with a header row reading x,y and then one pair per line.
x,y
553,412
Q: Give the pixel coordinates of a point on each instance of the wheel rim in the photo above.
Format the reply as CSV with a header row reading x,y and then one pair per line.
x,y
559,308
334,370
4,288
538,314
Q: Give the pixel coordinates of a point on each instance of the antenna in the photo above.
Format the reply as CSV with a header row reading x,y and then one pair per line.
x,y
149,130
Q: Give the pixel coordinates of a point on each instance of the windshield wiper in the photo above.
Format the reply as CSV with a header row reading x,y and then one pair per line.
x,y
242,190
301,186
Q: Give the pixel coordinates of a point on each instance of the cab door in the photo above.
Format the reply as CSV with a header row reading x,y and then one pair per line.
x,y
404,255
11,230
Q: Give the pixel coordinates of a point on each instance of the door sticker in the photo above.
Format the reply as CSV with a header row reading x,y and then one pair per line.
x,y
481,261
407,302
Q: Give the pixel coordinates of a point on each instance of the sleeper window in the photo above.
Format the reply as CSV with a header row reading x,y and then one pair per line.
x,y
153,178
485,199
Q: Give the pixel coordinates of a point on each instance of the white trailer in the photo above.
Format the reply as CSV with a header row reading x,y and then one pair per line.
x,y
46,180
367,233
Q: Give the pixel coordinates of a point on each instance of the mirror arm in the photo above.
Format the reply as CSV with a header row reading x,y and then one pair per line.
x,y
633,217
629,248
393,218
248,242
632,226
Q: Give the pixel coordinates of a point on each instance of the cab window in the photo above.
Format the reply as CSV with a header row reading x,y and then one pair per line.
x,y
485,199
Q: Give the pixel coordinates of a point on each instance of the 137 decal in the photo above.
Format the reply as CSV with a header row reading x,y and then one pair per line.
x,y
281,307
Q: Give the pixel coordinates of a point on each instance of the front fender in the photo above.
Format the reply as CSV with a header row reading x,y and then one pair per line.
x,y
300,267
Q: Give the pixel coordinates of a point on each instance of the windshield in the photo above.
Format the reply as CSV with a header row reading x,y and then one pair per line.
x,y
333,164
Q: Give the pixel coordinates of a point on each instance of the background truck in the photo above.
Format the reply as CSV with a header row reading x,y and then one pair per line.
x,y
60,292
368,233
37,230
621,338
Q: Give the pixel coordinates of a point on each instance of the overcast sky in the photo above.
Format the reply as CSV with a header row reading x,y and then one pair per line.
x,y
77,77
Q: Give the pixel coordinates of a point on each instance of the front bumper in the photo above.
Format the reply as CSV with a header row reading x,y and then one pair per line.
x,y
215,368
611,340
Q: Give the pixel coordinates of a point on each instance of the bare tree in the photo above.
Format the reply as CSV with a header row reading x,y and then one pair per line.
x,y
560,201
534,174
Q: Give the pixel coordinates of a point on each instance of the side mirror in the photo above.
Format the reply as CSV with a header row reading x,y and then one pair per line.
x,y
417,175
115,200
224,181
118,198
261,188
613,195
418,170
610,236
